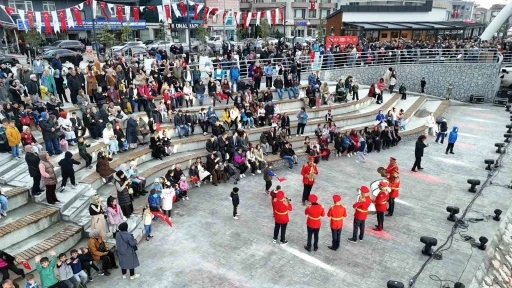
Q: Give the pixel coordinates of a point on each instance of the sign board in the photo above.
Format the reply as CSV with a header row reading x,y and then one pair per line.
x,y
342,41
184,26
114,25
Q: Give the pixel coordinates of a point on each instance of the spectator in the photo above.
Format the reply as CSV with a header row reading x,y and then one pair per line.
x,y
239,161
76,267
142,131
199,90
443,131
452,138
46,168
288,154
66,274
8,261
45,267
114,215
180,124
14,139
278,84
99,252
49,129
103,167
302,117
123,187
126,247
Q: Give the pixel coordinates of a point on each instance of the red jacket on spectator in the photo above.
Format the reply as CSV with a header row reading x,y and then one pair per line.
x,y
281,208
362,208
355,138
337,212
27,138
257,71
143,90
315,213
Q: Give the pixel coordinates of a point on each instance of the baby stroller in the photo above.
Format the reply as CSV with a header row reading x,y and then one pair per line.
x,y
341,95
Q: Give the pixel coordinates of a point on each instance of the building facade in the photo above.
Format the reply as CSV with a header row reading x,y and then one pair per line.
x,y
300,20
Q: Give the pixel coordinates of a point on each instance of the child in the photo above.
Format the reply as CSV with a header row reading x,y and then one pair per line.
x,y
45,268
166,142
235,200
27,138
154,200
86,261
360,149
66,167
31,282
183,187
167,195
64,146
76,266
65,271
452,138
13,139
82,151
157,185
147,218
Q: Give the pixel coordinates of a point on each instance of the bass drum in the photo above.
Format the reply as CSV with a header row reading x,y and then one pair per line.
x,y
374,188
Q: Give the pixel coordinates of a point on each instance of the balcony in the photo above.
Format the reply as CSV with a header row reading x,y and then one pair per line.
x,y
257,5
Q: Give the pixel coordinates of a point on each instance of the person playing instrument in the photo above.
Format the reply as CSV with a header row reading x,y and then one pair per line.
x,y
381,204
361,207
315,212
394,185
282,206
308,172
391,169
337,212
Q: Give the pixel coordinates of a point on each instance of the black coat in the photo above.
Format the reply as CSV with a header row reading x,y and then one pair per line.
x,y
33,164
235,199
420,146
212,146
67,163
46,127
8,258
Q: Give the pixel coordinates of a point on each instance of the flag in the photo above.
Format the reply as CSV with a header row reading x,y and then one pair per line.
x,y
127,10
246,18
196,11
21,13
26,265
282,179
160,12
312,4
183,9
62,20
163,216
236,15
281,14
167,10
119,13
273,14
136,13
206,10
78,16
176,10
30,18
258,18
111,9
69,18
39,24
224,16
103,7
47,24
55,20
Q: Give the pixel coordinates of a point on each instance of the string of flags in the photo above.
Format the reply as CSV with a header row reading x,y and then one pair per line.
x,y
61,20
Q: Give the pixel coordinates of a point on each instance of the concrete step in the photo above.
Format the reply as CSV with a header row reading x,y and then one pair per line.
x,y
17,196
14,172
59,237
7,163
79,205
67,197
23,222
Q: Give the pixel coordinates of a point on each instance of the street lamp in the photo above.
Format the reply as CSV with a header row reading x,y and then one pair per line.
x,y
307,26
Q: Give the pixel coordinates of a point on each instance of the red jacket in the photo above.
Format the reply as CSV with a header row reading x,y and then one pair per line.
x,y
355,139
281,211
362,208
315,214
337,213
381,202
390,170
306,170
395,188
257,72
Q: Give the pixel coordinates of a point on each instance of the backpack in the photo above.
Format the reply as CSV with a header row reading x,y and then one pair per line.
x,y
25,120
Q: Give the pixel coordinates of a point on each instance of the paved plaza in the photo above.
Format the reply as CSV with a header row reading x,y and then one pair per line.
x,y
206,247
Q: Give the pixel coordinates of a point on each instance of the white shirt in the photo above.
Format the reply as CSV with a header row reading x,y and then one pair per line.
x,y
107,134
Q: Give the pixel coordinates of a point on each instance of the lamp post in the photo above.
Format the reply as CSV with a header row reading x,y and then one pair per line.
x,y
189,35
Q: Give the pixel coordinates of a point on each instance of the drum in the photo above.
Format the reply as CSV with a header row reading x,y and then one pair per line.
x,y
371,209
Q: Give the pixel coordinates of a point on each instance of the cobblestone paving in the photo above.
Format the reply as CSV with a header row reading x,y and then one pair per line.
x,y
208,248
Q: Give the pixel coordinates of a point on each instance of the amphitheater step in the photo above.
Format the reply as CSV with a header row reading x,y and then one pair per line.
x,y
7,164
79,205
21,223
67,197
59,237
17,196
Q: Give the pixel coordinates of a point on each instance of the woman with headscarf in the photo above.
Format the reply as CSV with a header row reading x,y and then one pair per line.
x,y
138,182
66,127
32,159
131,131
103,167
46,168
48,81
114,215
99,251
123,186
53,106
97,216
121,138
126,245
110,139
155,144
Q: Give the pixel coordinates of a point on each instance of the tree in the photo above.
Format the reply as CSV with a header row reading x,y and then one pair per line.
x,y
126,32
106,36
240,34
201,34
160,33
34,38
264,29
276,34
321,31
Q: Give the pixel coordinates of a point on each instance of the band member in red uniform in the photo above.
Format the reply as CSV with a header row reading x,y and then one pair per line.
x,y
395,189
308,172
337,212
315,212
391,169
361,213
281,207
381,206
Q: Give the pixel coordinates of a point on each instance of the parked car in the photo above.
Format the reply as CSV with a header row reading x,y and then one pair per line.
x,y
8,60
128,44
159,44
129,53
147,42
291,41
73,45
64,54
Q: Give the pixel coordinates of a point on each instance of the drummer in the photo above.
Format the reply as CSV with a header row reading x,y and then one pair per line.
x,y
391,169
381,204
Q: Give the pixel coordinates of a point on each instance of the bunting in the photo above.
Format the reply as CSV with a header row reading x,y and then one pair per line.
x,y
69,18
103,7
206,11
196,11
39,24
167,9
22,17
136,13
55,20
127,10
176,10
160,9
94,8
273,17
111,9
47,24
30,18
224,16
78,16
236,16
247,19
119,13
281,14
183,9
258,18
62,20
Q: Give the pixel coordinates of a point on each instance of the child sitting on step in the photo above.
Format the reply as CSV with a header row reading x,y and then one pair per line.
x,y
87,262
183,187
63,144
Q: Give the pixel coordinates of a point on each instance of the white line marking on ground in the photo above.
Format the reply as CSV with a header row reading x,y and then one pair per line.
x,y
478,109
454,162
308,258
402,202
468,135
480,120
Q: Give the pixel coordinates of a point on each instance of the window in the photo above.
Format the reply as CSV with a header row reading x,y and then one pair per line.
x,y
312,13
19,4
324,13
49,6
300,13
